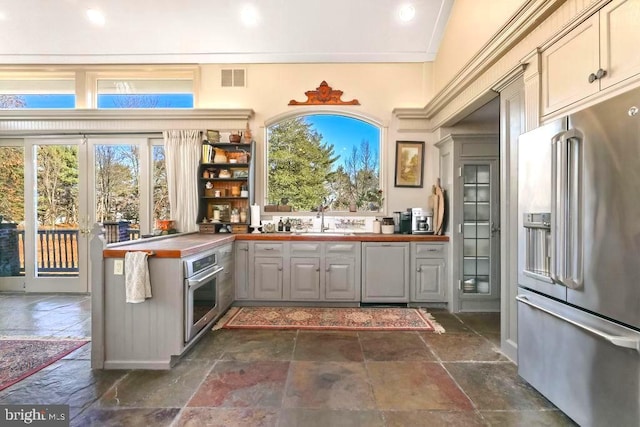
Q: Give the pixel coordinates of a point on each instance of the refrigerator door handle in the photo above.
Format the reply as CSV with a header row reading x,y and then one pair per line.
x,y
555,267
573,219
625,342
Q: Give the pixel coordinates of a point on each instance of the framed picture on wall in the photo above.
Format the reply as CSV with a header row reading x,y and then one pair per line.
x,y
409,163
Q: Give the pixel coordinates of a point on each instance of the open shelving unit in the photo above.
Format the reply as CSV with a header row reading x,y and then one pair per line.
x,y
220,185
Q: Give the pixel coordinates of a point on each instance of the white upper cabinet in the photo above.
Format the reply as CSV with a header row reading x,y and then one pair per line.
x,y
599,53
567,64
619,38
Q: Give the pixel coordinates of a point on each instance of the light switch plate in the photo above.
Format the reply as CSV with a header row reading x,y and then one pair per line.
x,y
118,267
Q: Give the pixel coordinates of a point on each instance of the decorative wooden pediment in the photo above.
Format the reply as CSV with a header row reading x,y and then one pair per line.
x,y
324,95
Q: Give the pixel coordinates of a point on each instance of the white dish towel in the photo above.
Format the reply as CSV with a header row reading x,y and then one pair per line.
x,y
136,277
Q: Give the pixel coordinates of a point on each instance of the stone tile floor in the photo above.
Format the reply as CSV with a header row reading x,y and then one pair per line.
x,y
287,378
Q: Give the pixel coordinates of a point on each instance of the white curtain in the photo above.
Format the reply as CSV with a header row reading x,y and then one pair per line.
x,y
182,155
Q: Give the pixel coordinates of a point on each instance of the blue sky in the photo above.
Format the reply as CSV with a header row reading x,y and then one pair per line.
x,y
108,100
345,133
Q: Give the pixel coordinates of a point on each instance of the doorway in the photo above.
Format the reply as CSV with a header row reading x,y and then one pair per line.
x,y
53,189
45,224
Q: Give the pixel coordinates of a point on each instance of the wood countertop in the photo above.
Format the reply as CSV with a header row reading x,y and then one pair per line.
x,y
188,244
177,246
356,237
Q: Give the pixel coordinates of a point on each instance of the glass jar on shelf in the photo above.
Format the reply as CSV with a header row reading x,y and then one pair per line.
x,y
235,215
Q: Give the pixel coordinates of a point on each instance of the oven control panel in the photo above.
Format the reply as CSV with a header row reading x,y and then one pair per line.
x,y
197,263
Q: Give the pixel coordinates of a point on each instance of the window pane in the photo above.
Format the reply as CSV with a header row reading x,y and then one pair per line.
x,y
177,93
324,159
117,170
158,100
12,212
57,184
161,208
57,93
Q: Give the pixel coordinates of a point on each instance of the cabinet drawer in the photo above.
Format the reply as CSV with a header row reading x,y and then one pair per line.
x,y
429,250
305,249
345,248
268,249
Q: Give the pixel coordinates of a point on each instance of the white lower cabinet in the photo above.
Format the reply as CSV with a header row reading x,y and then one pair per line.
x,y
428,272
305,278
301,271
242,270
372,272
268,278
340,279
385,272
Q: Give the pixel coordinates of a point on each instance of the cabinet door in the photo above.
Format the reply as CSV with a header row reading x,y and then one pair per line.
x,y
340,279
566,66
267,283
429,280
480,226
242,270
305,278
225,284
385,272
619,35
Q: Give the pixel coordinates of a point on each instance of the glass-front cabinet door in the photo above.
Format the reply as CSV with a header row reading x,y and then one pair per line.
x,y
480,230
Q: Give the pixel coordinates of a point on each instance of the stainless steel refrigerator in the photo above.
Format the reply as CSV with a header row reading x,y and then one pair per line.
x,y
579,262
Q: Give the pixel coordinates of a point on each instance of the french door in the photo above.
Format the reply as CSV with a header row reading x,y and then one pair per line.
x,y
51,192
45,222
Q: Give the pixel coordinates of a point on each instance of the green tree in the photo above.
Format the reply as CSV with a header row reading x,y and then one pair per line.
x,y
57,175
12,183
300,165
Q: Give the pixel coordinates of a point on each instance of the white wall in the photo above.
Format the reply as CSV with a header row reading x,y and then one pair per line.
x,y
379,88
471,24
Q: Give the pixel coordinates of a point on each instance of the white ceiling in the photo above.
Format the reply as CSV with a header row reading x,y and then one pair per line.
x,y
211,31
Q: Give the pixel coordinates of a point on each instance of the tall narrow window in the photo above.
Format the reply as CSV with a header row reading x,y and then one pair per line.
x,y
324,159
161,207
38,93
145,93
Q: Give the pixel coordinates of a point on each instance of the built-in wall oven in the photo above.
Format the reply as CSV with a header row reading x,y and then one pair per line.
x,y
201,273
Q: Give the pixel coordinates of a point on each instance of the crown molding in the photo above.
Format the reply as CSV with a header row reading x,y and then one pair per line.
x,y
524,20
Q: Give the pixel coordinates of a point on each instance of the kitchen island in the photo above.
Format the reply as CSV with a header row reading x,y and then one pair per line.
x,y
334,269
154,334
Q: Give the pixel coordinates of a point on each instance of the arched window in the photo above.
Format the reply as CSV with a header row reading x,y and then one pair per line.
x,y
324,159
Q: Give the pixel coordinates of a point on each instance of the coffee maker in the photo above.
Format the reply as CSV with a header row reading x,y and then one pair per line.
x,y
421,221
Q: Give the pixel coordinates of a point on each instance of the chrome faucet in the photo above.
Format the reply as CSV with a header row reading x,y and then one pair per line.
x,y
320,215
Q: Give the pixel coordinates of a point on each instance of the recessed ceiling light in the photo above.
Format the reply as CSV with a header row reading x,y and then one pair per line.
x,y
96,16
249,15
2,16
407,12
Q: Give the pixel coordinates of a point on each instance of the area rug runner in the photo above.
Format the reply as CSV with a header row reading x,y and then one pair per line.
x,y
20,358
358,319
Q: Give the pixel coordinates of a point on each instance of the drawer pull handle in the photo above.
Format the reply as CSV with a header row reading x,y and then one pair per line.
x,y
418,269
268,249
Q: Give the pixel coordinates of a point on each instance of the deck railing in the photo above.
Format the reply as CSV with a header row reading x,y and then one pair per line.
x,y
58,250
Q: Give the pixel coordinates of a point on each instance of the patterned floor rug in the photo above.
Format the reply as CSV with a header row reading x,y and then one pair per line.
x,y
354,319
20,358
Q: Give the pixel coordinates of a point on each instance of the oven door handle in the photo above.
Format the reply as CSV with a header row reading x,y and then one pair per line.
x,y
196,283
